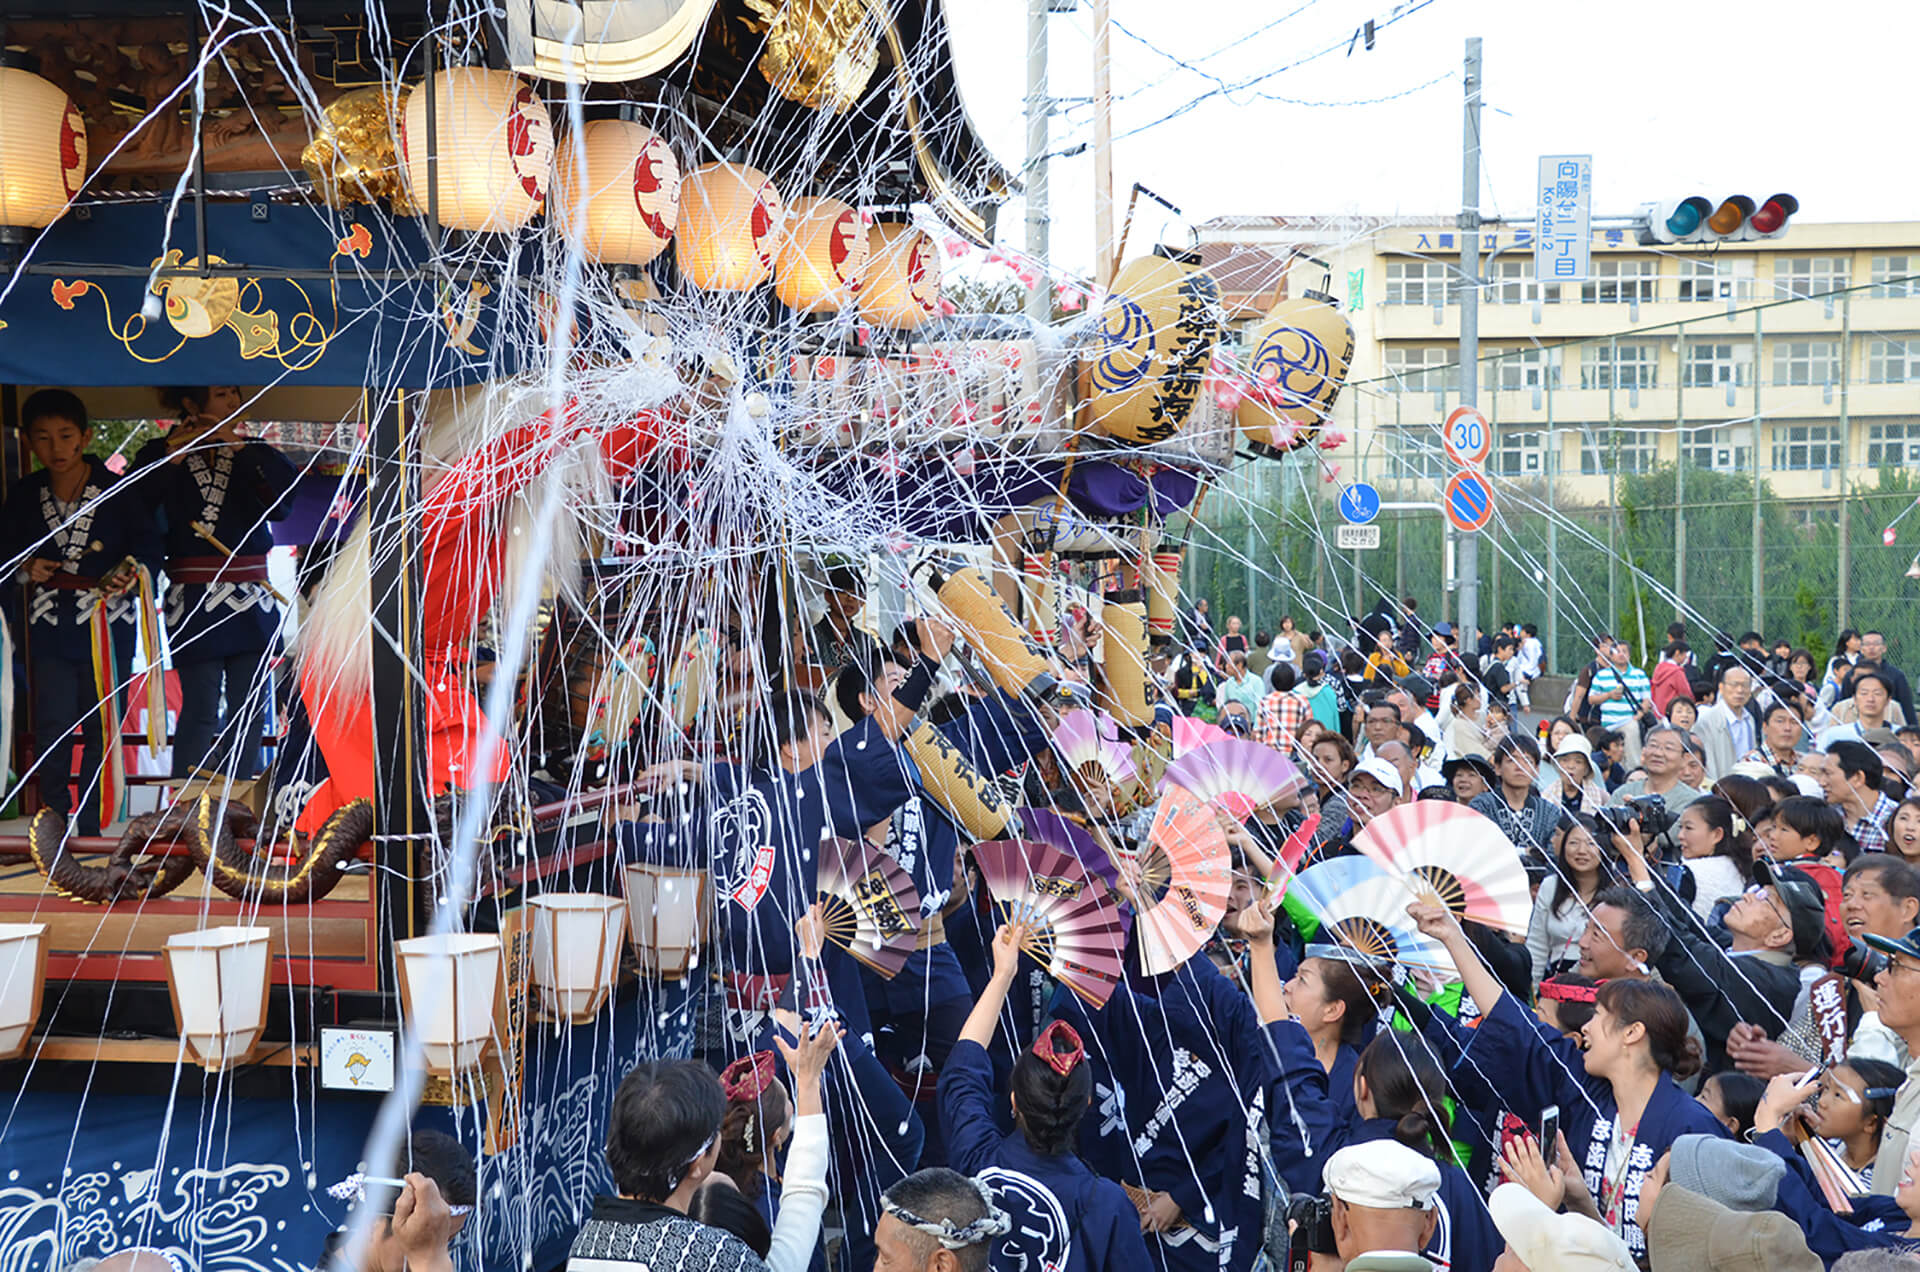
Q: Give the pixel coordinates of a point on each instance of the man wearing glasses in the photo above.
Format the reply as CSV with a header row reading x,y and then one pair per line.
x,y
1899,989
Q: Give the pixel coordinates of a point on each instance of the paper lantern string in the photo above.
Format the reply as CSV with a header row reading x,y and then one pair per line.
x,y
1060,1047
1553,988
748,1078
354,1188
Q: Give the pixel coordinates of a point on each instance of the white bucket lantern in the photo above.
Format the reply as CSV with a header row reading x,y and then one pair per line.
x,y
902,284
626,210
666,917
43,150
495,146
730,223
447,987
822,258
576,953
23,974
217,979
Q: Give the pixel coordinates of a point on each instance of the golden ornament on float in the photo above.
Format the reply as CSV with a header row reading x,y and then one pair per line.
x,y
1158,329
495,149
823,257
730,220
626,210
901,288
1301,355
43,150
353,156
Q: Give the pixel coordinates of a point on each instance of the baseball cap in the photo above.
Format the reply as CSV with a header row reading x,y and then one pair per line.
x,y
1908,945
1382,1175
1806,904
1550,1242
1382,772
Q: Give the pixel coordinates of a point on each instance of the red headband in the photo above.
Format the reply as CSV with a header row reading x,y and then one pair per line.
x,y
1060,1047
748,1078
1562,993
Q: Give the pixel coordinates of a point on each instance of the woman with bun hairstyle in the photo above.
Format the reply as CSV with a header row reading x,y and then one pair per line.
x,y
1619,1107
1051,1090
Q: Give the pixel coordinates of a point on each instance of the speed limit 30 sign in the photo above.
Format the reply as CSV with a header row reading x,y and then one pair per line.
x,y
1466,437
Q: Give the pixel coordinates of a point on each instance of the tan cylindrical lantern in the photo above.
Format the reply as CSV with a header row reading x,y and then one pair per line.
x,y
902,284
666,917
447,988
576,952
1123,656
822,258
959,788
1158,330
1036,588
626,209
23,976
43,150
495,149
730,222
981,617
217,979
1161,571
1301,355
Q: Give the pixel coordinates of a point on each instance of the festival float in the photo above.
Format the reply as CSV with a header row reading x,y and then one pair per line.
x,y
598,353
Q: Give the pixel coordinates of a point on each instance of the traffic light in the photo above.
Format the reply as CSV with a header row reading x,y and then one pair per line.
x,y
1696,219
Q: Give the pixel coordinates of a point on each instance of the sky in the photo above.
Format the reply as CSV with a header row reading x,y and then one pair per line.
x,y
1669,99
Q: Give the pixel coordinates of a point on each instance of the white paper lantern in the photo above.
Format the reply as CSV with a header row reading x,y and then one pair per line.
x,y
23,974
495,149
666,917
576,952
447,988
730,221
901,288
217,979
822,258
43,150
626,209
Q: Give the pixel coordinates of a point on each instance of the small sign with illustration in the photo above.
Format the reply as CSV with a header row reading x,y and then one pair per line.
x,y
357,1059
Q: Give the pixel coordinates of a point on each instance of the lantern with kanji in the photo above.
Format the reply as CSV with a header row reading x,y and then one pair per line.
x,y
493,149
902,285
730,220
625,209
1301,354
43,150
822,257
1158,329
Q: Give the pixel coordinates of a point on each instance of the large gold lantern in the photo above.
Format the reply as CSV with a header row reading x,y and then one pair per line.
x,y
1158,330
730,220
494,144
625,210
902,285
43,150
1301,354
822,258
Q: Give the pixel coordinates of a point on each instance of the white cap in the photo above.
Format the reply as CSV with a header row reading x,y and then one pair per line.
x,y
1550,1242
1382,772
1382,1175
1807,784
1574,744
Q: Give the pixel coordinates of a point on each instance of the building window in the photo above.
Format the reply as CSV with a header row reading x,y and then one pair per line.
x,y
1810,517
1421,369
1623,365
1895,277
1893,361
1617,282
1708,366
1799,277
1421,283
1799,447
1521,454
1415,454
1513,284
1806,362
1620,450
1716,279
1893,443
1524,368
1727,449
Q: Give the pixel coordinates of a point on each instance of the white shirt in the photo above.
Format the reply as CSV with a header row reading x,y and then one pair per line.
x,y
1529,655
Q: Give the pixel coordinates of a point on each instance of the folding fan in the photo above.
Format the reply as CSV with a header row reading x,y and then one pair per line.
x,y
1062,832
1452,854
1191,732
872,907
1180,881
1084,736
1237,774
1363,908
1074,928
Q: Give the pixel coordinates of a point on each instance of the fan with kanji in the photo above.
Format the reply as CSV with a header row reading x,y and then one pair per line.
x,y
1451,854
1179,881
871,907
1363,908
1238,775
1074,929
1072,838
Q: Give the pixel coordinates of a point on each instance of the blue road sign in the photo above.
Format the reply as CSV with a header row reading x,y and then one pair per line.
x,y
1468,501
1359,503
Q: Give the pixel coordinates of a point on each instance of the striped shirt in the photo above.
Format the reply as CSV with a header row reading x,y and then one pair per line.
x,y
1615,712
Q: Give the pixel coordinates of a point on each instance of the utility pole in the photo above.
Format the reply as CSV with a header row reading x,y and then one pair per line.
x,y
1467,563
1039,108
1103,262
